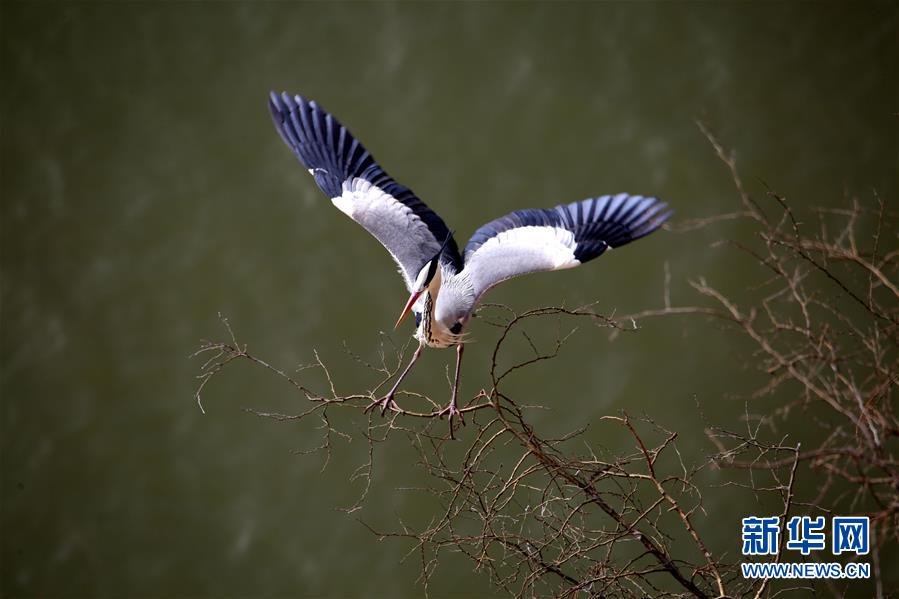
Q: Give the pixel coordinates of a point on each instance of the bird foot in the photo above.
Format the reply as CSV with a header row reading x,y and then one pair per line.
x,y
450,411
385,403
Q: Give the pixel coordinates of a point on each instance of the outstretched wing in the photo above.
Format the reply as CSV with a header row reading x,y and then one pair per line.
x,y
555,238
349,175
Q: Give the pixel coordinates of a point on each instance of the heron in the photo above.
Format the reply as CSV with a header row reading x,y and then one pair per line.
x,y
446,285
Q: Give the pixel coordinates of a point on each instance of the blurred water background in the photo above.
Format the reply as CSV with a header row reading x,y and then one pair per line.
x,y
144,190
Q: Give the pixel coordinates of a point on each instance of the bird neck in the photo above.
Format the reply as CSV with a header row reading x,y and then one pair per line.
x,y
427,326
430,302
455,295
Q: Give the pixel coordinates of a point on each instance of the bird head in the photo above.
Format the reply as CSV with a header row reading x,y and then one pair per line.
x,y
428,278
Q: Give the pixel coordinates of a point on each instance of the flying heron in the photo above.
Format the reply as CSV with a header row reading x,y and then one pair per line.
x,y
445,285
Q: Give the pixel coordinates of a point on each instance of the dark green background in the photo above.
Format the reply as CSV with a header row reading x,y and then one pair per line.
x,y
144,190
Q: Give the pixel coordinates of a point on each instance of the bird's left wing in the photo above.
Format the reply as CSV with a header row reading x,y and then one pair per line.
x,y
528,241
349,175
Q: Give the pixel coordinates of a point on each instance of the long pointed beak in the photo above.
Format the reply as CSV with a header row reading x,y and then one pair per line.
x,y
412,299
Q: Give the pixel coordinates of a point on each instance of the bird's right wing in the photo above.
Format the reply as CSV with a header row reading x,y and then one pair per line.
x,y
349,175
528,241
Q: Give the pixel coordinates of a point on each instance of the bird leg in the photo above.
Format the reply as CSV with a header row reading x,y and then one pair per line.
x,y
452,409
387,402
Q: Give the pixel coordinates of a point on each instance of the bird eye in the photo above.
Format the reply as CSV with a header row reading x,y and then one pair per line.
x,y
456,328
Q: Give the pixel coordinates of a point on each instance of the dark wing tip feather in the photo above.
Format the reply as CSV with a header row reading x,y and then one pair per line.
x,y
301,123
650,220
280,114
625,219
